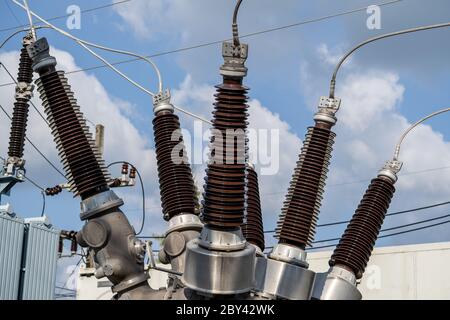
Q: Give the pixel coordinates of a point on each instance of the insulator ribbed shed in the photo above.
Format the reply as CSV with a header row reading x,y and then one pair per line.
x,y
21,105
224,196
253,229
356,244
175,177
300,211
82,162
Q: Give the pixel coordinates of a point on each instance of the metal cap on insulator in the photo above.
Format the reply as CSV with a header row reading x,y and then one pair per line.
x,y
39,52
234,57
390,170
327,110
161,102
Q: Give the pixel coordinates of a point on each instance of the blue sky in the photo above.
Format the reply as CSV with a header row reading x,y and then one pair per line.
x,y
385,87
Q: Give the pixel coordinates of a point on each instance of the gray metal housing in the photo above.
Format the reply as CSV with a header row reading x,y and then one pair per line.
x,y
11,240
39,260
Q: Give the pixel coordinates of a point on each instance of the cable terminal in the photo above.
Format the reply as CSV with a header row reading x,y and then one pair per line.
x,y
327,109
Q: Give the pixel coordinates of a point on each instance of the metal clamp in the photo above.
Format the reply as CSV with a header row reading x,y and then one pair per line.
x,y
327,109
234,57
161,101
289,254
24,90
99,203
185,221
230,240
390,169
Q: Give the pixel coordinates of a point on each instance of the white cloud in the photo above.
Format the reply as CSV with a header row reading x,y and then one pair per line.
x,y
369,125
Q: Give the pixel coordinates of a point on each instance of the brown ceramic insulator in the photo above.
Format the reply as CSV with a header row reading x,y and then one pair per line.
x,y
252,228
20,110
53,191
356,244
86,171
224,195
297,222
175,177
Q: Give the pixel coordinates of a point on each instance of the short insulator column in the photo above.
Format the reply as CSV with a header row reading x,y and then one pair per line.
x,y
24,92
253,229
224,196
355,247
175,177
300,211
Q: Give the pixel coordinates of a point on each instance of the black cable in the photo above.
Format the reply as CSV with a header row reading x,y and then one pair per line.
x,y
11,11
68,15
142,189
393,234
394,228
43,203
248,35
384,236
388,214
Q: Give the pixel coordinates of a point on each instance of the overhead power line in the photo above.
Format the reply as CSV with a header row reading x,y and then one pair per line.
x,y
388,214
68,15
36,148
248,35
383,236
394,228
391,234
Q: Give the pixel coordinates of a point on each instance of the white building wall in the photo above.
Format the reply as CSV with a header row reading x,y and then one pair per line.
x,y
401,272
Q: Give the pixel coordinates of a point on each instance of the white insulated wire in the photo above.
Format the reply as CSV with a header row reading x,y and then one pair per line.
x,y
30,19
397,147
85,45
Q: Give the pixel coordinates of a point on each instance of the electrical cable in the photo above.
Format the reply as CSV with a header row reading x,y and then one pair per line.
x,y
394,228
13,35
142,190
234,24
30,19
367,180
383,36
392,234
314,20
384,236
86,44
388,214
11,11
397,147
68,15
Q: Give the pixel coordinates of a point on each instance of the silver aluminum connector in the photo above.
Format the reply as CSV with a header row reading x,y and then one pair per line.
x,y
234,57
161,101
390,169
327,110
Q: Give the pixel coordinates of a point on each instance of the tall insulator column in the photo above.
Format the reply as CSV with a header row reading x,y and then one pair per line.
x,y
356,244
175,177
298,218
24,92
119,255
300,211
224,197
252,228
220,261
350,258
178,192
